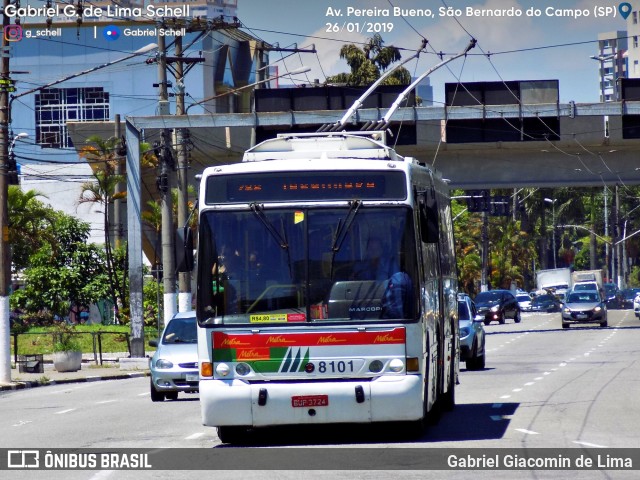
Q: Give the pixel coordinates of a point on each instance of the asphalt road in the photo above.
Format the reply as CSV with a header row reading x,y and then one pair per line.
x,y
542,387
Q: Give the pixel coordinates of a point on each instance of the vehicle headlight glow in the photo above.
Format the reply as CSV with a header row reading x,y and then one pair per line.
x,y
376,366
567,310
495,309
163,363
396,365
243,369
597,309
222,369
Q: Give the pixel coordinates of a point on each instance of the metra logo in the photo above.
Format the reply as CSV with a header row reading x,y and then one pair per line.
x,y
233,342
386,338
279,340
251,355
330,339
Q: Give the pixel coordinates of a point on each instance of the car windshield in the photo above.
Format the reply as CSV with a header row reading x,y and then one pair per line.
x,y
583,297
584,286
523,298
487,297
286,265
630,294
181,330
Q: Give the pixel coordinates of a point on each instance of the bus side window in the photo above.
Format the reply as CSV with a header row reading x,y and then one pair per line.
x,y
429,230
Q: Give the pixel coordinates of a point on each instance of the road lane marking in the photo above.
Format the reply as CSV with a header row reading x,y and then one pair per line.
x,y
506,396
587,444
528,432
194,436
143,394
528,384
105,401
65,411
516,390
22,422
102,474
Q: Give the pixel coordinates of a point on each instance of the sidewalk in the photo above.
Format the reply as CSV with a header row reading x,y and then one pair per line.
x,y
115,366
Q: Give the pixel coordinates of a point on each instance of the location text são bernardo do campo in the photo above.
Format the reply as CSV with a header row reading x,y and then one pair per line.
x,y
546,11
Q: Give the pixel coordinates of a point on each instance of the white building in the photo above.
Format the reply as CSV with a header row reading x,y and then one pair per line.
x,y
612,63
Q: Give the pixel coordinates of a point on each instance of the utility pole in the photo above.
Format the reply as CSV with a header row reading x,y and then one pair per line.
x,y
117,222
618,247
182,135
5,257
485,252
164,186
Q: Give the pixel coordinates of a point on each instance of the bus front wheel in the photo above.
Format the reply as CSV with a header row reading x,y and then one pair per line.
x,y
232,434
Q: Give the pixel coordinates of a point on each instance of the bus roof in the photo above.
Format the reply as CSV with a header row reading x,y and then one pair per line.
x,y
364,145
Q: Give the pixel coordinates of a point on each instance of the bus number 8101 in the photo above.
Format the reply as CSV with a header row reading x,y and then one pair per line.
x,y
335,367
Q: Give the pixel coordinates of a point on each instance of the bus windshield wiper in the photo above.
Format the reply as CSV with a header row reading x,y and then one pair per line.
x,y
281,240
344,225
258,211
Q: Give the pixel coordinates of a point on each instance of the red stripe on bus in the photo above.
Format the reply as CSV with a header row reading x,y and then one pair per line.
x,y
263,340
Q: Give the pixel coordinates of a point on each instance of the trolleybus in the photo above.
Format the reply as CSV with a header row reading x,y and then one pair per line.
x,y
326,286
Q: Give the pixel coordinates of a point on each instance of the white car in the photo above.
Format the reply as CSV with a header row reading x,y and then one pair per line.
x,y
174,366
636,305
524,300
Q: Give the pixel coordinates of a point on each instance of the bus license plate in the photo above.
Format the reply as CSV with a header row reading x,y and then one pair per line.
x,y
310,401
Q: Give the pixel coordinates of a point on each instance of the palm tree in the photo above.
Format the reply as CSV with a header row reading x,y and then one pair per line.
x,y
367,64
102,191
28,220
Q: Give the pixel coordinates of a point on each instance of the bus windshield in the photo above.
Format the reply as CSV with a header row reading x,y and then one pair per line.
x,y
284,265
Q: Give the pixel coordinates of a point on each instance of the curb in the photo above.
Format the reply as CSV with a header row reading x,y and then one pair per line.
x,y
30,384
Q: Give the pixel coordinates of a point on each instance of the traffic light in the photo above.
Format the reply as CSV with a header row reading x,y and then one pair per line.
x,y
500,206
478,200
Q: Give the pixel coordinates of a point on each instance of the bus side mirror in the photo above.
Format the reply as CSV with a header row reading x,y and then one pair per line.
x,y
184,249
429,229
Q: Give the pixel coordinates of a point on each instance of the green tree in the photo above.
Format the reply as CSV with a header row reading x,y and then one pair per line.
x,y
30,225
367,64
64,276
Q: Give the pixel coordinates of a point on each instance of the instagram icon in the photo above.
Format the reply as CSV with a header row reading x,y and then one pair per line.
x,y
13,33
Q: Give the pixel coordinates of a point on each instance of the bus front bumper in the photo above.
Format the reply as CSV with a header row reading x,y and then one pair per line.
x,y
237,403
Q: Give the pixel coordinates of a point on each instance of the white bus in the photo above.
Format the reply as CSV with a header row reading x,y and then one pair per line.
x,y
326,286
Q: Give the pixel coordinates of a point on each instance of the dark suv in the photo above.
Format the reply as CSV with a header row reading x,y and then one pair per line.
x,y
497,305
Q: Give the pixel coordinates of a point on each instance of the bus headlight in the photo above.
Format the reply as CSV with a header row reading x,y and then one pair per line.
x,y
222,369
396,365
243,369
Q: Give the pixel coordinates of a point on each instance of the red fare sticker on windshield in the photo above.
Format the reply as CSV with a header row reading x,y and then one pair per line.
x,y
296,317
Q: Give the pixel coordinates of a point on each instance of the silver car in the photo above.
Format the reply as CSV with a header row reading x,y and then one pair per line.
x,y
472,339
174,366
584,306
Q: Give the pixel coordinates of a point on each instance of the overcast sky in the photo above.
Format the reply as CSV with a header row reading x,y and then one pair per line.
x,y
562,25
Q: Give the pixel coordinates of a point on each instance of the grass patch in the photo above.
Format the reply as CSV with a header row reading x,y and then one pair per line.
x,y
108,339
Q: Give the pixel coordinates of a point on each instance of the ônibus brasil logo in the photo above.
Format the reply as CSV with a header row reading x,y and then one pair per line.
x,y
111,33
